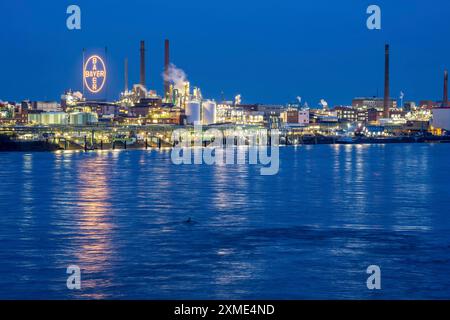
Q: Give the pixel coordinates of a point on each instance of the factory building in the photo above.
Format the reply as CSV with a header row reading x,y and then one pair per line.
x,y
323,116
46,106
254,117
139,112
70,99
441,118
106,110
271,114
227,113
145,106
409,106
374,115
377,103
11,113
295,116
48,118
428,104
7,110
26,105
347,113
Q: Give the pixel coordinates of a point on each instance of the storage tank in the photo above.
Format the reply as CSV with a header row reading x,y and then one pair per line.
x,y
209,112
441,118
82,118
193,112
54,118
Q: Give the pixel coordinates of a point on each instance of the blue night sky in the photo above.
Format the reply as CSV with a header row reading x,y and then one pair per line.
x,y
268,51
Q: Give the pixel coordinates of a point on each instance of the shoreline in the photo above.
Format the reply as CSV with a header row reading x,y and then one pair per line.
x,y
44,146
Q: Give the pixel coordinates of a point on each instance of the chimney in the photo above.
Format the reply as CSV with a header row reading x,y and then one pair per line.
x,y
142,78
166,66
445,100
386,104
126,74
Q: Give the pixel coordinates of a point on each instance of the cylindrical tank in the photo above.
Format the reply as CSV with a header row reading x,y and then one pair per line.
x,y
82,118
209,112
193,112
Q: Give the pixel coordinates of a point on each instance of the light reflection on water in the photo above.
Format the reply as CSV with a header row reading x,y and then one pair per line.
x,y
94,222
308,232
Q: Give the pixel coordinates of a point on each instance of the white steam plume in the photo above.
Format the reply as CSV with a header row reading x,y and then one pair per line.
x,y
175,76
324,104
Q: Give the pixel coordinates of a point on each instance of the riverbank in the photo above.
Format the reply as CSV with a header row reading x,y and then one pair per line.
x,y
7,144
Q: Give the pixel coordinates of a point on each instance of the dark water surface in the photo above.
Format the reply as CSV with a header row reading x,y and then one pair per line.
x,y
309,232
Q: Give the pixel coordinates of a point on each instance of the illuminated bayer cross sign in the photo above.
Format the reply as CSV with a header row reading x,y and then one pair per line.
x,y
94,74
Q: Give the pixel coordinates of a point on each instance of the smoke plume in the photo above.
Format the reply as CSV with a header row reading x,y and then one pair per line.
x,y
323,103
175,76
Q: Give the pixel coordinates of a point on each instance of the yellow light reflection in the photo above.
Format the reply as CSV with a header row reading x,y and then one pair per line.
x,y
95,225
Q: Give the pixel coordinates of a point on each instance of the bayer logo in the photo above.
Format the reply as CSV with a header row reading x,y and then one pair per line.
x,y
94,74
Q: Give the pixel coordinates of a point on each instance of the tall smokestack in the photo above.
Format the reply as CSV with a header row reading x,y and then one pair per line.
x,y
142,81
386,83
445,100
166,66
126,75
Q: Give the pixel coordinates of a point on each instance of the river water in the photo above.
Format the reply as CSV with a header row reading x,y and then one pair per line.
x,y
309,232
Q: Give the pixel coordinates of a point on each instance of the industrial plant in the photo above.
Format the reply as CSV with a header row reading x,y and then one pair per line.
x,y
142,118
